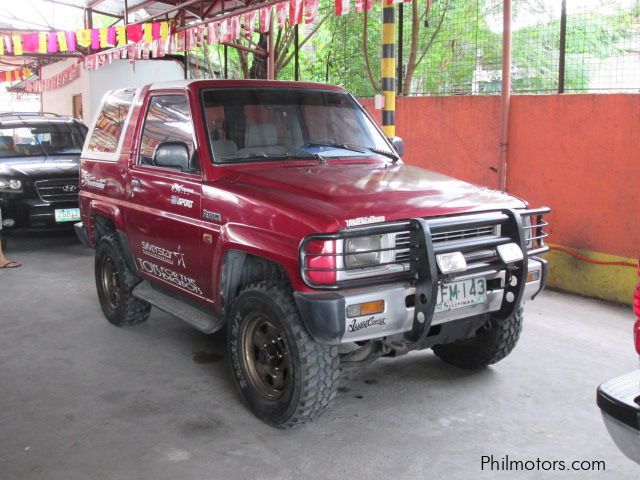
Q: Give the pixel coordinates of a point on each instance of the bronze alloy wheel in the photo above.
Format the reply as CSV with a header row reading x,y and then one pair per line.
x,y
110,282
266,356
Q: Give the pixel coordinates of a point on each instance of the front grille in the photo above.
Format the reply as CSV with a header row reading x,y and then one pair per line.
x,y
58,190
491,231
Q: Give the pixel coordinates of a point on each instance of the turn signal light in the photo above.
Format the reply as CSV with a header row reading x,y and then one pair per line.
x,y
369,308
533,276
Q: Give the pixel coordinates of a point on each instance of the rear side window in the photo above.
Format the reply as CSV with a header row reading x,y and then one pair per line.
x,y
168,120
109,124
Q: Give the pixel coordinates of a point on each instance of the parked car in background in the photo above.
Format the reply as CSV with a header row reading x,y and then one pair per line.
x,y
39,170
619,400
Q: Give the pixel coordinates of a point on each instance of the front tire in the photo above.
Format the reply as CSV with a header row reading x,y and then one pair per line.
x,y
492,342
114,283
284,376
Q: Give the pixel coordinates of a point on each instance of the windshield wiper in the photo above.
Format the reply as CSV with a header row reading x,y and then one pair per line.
x,y
354,148
393,156
273,156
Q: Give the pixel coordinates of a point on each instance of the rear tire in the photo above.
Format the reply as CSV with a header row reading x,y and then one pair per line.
x,y
493,342
114,283
284,376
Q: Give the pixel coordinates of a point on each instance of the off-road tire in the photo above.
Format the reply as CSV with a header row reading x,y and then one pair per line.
x,y
126,310
493,342
313,367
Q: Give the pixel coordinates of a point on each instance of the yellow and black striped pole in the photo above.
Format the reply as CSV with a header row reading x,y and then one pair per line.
x,y
388,64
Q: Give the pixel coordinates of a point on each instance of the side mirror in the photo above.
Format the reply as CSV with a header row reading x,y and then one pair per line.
x,y
398,144
172,155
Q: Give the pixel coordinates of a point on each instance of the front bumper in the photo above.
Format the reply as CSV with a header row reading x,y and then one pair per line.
x,y
619,402
325,317
33,213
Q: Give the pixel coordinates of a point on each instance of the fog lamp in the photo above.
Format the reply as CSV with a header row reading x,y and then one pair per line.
x,y
510,252
453,262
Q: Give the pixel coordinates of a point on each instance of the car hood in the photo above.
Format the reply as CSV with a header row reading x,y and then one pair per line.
x,y
40,166
365,192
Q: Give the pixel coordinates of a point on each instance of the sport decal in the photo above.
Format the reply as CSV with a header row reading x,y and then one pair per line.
x,y
168,275
163,254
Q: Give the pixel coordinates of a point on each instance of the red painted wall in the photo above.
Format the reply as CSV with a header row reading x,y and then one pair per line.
x,y
579,154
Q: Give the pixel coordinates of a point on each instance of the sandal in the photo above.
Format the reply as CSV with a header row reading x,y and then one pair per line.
x,y
11,264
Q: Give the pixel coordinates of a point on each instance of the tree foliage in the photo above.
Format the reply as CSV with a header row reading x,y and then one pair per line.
x,y
449,47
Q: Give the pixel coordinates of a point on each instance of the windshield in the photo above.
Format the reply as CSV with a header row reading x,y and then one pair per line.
x,y
37,140
249,124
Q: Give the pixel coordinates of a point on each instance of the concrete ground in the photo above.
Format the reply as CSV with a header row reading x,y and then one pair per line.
x,y
81,399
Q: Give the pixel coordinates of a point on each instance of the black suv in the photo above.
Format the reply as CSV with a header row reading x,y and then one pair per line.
x,y
39,170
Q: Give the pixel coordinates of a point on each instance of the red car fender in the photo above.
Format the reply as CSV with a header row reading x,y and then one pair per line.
x,y
274,246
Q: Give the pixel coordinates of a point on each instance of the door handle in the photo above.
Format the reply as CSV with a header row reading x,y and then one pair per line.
x,y
135,186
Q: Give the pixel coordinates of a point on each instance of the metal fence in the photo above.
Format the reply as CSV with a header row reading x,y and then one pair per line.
x,y
454,47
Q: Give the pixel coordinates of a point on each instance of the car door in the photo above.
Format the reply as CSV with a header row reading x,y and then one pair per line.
x,y
163,221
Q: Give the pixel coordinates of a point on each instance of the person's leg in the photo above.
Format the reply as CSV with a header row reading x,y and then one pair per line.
x,y
5,263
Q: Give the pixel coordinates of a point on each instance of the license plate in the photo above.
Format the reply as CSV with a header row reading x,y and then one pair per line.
x,y
67,215
461,294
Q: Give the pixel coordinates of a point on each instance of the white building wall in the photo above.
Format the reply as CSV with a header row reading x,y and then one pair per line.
x,y
60,100
94,84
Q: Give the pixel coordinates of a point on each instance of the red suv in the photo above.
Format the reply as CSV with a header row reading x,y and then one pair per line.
x,y
281,211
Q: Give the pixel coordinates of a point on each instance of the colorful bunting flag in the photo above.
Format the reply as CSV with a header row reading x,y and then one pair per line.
x,y
62,41
164,30
71,41
134,33
295,12
265,19
310,11
17,44
52,43
282,11
42,41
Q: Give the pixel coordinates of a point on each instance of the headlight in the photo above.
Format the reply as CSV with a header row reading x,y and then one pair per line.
x,y
10,185
370,245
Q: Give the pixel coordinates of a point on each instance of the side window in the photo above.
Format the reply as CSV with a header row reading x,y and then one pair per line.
x,y
110,122
168,120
